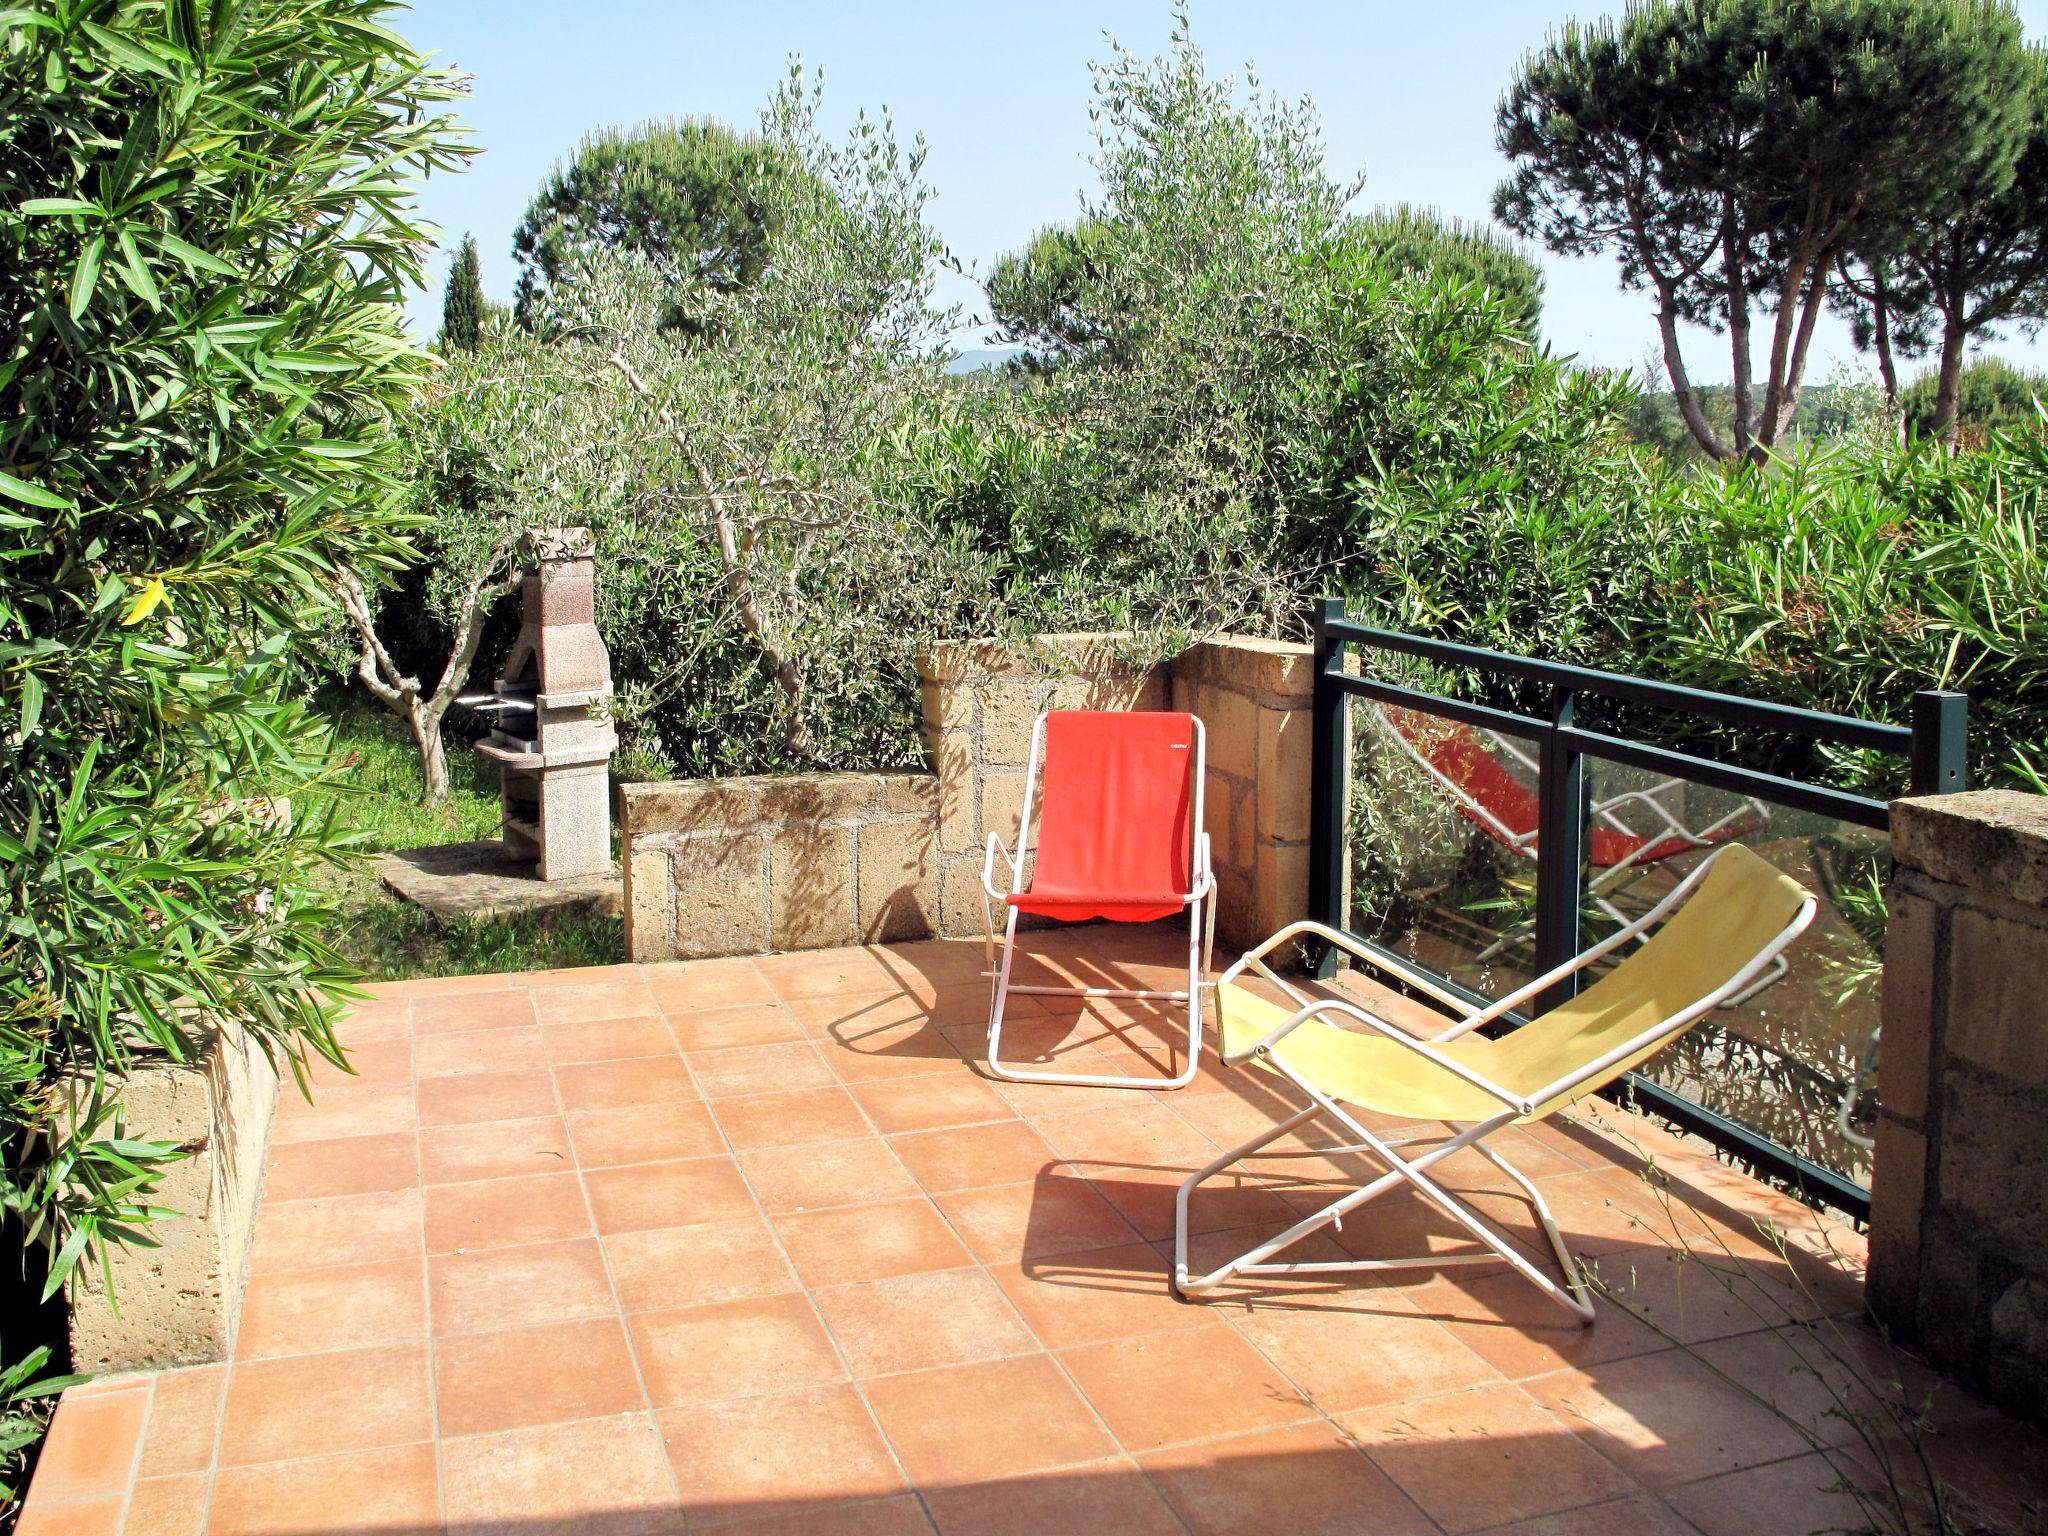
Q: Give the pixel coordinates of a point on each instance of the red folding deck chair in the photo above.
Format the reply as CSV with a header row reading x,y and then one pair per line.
x,y
1120,838
1486,794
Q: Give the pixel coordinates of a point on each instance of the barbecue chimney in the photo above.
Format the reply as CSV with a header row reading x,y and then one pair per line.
x,y
552,746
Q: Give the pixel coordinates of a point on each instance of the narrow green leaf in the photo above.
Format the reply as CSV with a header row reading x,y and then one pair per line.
x,y
32,495
85,277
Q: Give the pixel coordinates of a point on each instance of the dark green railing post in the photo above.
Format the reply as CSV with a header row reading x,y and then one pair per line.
x,y
1941,742
1560,847
1328,776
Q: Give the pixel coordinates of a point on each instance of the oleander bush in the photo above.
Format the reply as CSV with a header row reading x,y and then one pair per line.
x,y
204,237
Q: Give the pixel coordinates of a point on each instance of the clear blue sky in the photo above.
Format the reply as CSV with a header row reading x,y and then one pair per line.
x,y
1001,92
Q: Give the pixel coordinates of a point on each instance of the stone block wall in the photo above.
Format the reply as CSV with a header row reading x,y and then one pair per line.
x,y
1958,1245
741,866
1255,697
800,861
980,702
178,1300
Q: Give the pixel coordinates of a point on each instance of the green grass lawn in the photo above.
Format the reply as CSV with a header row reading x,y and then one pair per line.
x,y
378,794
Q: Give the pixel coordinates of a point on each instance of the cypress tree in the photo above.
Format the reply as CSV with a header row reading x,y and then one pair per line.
x,y
462,306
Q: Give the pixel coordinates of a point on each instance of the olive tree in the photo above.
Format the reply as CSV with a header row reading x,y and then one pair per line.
x,y
1728,153
206,236
739,453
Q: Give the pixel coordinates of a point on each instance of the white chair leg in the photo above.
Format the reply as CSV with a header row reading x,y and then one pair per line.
x,y
1192,996
1500,1248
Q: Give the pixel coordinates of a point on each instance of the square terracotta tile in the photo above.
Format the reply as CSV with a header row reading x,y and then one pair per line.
x,y
596,1085
92,1444
1665,1419
607,1040
1104,1293
626,998
306,1311
645,1133
1065,1042
689,1266
344,1109
390,1490
695,986
826,1174
184,1416
648,1195
1110,1496
1485,1458
87,1517
1802,1494
791,1119
869,1242
603,1476
717,1029
733,1349
931,1102
1056,1213
1304,1479
502,1213
1643,1516
498,1149
997,1418
781,1456
1519,1330
378,1017
462,985
492,1381
917,1322
824,972
492,1050
503,1008
851,1019
485,1096
350,1165
1381,1352
895,1050
1139,1155
976,1156
279,1410
518,1287
377,1063
901,1516
741,1070
1190,1384
340,1229
168,1506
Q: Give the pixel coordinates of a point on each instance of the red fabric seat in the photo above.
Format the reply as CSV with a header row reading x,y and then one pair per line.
x,y
1116,836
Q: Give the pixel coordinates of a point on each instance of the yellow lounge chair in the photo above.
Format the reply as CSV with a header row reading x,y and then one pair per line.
x,y
1730,919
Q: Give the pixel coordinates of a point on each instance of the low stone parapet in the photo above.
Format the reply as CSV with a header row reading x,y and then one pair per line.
x,y
175,1302
799,861
740,866
1958,1248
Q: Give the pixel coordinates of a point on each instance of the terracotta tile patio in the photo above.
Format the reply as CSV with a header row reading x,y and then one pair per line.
x,y
756,1244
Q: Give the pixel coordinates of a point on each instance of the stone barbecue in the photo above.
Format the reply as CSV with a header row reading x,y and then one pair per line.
x,y
552,746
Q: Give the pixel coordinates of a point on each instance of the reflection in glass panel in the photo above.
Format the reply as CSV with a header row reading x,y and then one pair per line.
x,y
1443,860
1795,1058
1443,844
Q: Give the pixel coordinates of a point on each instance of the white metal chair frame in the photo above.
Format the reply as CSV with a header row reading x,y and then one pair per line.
x,y
1573,1295
1616,877
1201,908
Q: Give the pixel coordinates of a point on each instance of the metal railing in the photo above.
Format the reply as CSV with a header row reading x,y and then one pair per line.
x,y
1934,745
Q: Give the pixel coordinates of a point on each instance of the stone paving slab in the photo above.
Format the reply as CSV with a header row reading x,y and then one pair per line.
x,y
482,879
